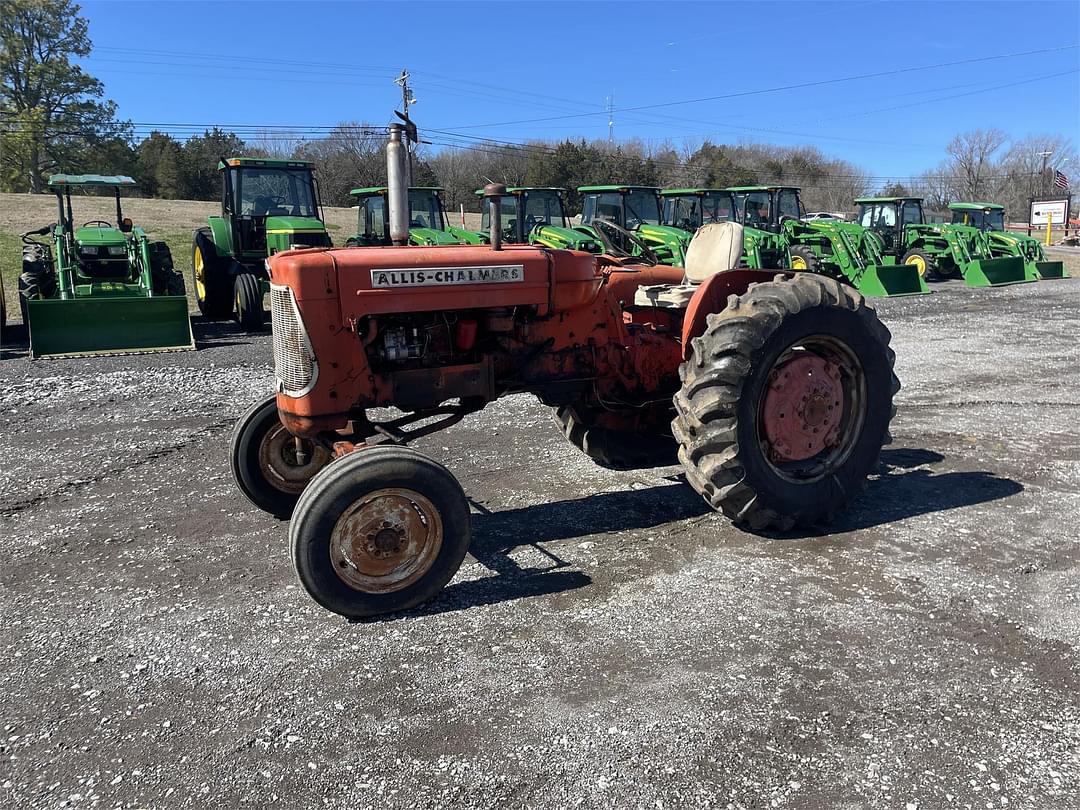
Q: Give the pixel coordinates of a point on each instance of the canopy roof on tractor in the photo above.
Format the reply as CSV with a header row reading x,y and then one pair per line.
x,y
586,189
90,180
269,163
975,206
861,200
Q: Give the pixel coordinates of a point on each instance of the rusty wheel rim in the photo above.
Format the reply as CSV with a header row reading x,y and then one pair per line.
x,y
812,409
386,540
280,466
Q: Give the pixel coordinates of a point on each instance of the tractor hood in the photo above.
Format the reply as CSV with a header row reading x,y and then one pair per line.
x,y
431,236
294,225
100,237
555,236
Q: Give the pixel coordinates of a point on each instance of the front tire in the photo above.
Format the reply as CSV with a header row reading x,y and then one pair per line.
x,y
924,263
264,460
803,259
380,531
785,403
249,306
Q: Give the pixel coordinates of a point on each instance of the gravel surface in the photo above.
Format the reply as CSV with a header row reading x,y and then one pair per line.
x,y
610,643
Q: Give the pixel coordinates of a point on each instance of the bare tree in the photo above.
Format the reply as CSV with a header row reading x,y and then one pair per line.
x,y
971,161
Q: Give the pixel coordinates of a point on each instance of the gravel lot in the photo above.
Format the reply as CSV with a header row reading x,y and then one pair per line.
x,y
610,644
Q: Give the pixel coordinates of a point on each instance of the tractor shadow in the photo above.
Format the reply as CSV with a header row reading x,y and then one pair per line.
x,y
221,334
902,489
905,488
16,342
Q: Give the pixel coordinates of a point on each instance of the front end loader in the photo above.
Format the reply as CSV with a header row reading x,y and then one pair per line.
x,y
990,219
102,287
936,250
267,206
428,224
774,216
774,392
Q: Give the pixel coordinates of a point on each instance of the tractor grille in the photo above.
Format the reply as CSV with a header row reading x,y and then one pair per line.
x,y
294,361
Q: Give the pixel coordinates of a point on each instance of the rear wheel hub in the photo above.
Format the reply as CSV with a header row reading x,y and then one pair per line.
x,y
803,408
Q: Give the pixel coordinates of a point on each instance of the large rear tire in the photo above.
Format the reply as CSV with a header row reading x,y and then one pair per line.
x,y
620,440
37,279
379,531
785,402
210,281
265,460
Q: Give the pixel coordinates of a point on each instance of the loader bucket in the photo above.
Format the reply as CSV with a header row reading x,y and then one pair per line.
x,y
102,325
891,280
995,272
1050,270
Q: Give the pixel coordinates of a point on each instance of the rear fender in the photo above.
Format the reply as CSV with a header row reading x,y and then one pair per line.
x,y
712,296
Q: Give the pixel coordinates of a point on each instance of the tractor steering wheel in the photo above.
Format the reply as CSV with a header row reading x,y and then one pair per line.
x,y
97,222
611,235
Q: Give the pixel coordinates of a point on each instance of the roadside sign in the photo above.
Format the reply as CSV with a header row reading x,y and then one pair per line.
x,y
1043,210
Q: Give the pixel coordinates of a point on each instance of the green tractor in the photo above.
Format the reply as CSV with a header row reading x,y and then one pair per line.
x,y
690,208
936,250
773,219
428,224
99,288
635,209
267,206
990,219
535,216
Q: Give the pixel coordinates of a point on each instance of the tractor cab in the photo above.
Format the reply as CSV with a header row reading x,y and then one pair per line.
x,y
690,208
888,217
981,215
427,217
269,206
629,207
537,216
766,208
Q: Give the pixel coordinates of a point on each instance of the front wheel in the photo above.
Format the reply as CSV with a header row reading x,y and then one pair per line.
x,y
382,530
270,465
785,402
249,306
923,262
803,258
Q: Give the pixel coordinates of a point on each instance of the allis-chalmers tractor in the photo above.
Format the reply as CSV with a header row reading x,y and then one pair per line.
x,y
774,392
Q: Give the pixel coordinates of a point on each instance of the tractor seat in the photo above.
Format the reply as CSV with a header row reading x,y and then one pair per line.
x,y
715,248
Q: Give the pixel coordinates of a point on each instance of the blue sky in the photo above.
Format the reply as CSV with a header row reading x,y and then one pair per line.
x,y
491,70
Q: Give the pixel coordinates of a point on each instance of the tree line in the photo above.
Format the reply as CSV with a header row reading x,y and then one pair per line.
x,y
54,118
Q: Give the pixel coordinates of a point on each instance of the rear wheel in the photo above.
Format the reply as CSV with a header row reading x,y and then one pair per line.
x,y
785,402
249,306
620,440
803,258
379,531
923,262
210,280
270,465
37,279
162,273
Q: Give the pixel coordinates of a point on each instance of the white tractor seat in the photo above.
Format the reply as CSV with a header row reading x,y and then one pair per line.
x,y
714,249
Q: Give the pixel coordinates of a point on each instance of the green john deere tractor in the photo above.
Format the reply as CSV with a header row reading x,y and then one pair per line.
x,y
267,206
635,209
427,219
990,219
936,250
690,208
99,288
773,220
535,216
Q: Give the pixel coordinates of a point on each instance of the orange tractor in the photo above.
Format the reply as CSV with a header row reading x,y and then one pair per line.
x,y
774,392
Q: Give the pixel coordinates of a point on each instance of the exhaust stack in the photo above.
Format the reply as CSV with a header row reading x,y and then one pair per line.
x,y
398,186
493,193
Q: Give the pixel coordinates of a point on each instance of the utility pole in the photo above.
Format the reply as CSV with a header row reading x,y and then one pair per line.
x,y
407,98
609,107
1042,175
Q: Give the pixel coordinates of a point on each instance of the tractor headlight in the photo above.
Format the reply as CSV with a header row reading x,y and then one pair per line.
x,y
117,250
89,250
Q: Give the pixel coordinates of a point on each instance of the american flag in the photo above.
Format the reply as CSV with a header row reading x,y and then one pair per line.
x,y
1060,180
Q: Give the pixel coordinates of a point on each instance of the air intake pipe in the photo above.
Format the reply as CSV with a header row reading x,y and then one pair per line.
x,y
493,194
397,186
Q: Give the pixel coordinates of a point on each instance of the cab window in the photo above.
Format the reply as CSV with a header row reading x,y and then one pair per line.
x,y
788,204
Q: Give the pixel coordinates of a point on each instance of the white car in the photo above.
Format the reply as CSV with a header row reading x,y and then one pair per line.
x,y
820,215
